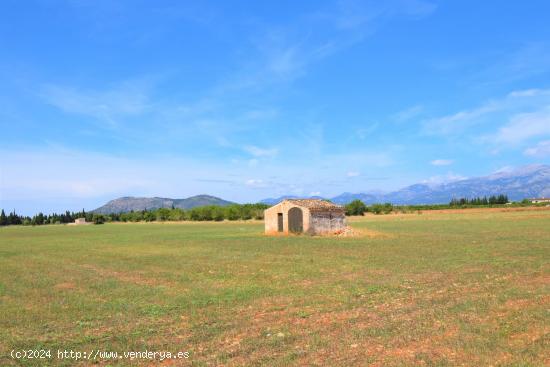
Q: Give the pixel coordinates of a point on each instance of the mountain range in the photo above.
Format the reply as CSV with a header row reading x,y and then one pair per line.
x,y
524,182
129,203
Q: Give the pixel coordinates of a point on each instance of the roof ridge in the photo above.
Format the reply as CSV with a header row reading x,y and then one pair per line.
x,y
314,203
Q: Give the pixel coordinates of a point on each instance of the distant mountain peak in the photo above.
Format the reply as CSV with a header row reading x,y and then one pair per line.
x,y
519,171
517,182
132,203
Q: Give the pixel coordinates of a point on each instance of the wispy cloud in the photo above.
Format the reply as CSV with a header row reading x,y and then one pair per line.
x,y
441,162
364,132
130,110
499,124
285,51
524,126
275,53
214,180
261,152
528,60
408,114
108,106
255,183
449,177
541,150
58,172
513,103
460,120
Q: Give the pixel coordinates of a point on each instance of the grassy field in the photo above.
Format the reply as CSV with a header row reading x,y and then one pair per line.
x,y
437,289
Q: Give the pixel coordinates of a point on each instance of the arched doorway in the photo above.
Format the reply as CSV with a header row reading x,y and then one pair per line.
x,y
295,220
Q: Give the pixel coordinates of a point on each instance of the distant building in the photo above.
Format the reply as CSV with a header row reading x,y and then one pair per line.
x,y
539,200
78,221
309,216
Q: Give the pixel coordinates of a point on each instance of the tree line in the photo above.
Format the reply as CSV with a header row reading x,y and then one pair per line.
x,y
236,212
358,207
204,213
491,200
40,219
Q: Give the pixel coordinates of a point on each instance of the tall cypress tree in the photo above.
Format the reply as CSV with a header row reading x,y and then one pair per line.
x,y
3,219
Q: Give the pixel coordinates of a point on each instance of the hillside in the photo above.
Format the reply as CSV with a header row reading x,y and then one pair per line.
x,y
129,203
524,182
520,183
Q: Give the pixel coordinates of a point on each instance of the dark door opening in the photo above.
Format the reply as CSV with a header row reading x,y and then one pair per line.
x,y
280,222
295,220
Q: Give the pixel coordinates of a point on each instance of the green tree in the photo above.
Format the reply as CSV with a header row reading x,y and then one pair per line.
x,y
232,212
385,208
176,214
356,207
149,216
98,218
163,214
3,219
218,214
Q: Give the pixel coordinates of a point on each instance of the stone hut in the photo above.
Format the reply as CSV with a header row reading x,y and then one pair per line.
x,y
309,216
539,200
79,221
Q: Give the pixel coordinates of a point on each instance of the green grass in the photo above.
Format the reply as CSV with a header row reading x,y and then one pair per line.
x,y
437,289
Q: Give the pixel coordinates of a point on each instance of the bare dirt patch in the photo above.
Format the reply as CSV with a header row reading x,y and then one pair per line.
x,y
65,285
346,232
127,277
486,210
355,232
529,337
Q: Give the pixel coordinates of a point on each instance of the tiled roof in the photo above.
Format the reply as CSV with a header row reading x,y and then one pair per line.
x,y
315,204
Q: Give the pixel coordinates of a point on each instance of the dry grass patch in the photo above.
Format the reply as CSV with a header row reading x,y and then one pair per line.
x,y
432,289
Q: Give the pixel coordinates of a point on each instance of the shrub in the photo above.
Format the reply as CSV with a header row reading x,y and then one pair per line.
x,y
381,208
98,219
356,207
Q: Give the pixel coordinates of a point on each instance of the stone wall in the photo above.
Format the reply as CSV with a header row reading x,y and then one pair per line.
x,y
326,222
271,219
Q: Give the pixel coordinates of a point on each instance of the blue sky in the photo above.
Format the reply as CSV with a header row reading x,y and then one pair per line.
x,y
246,100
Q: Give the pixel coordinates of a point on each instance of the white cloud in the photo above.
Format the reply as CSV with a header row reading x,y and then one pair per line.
x,y
261,152
530,59
286,50
56,173
260,114
367,159
514,103
107,106
85,178
408,114
284,61
525,126
449,177
542,149
255,183
460,120
364,132
315,193
441,162
500,124
526,93
353,174
504,169
70,174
